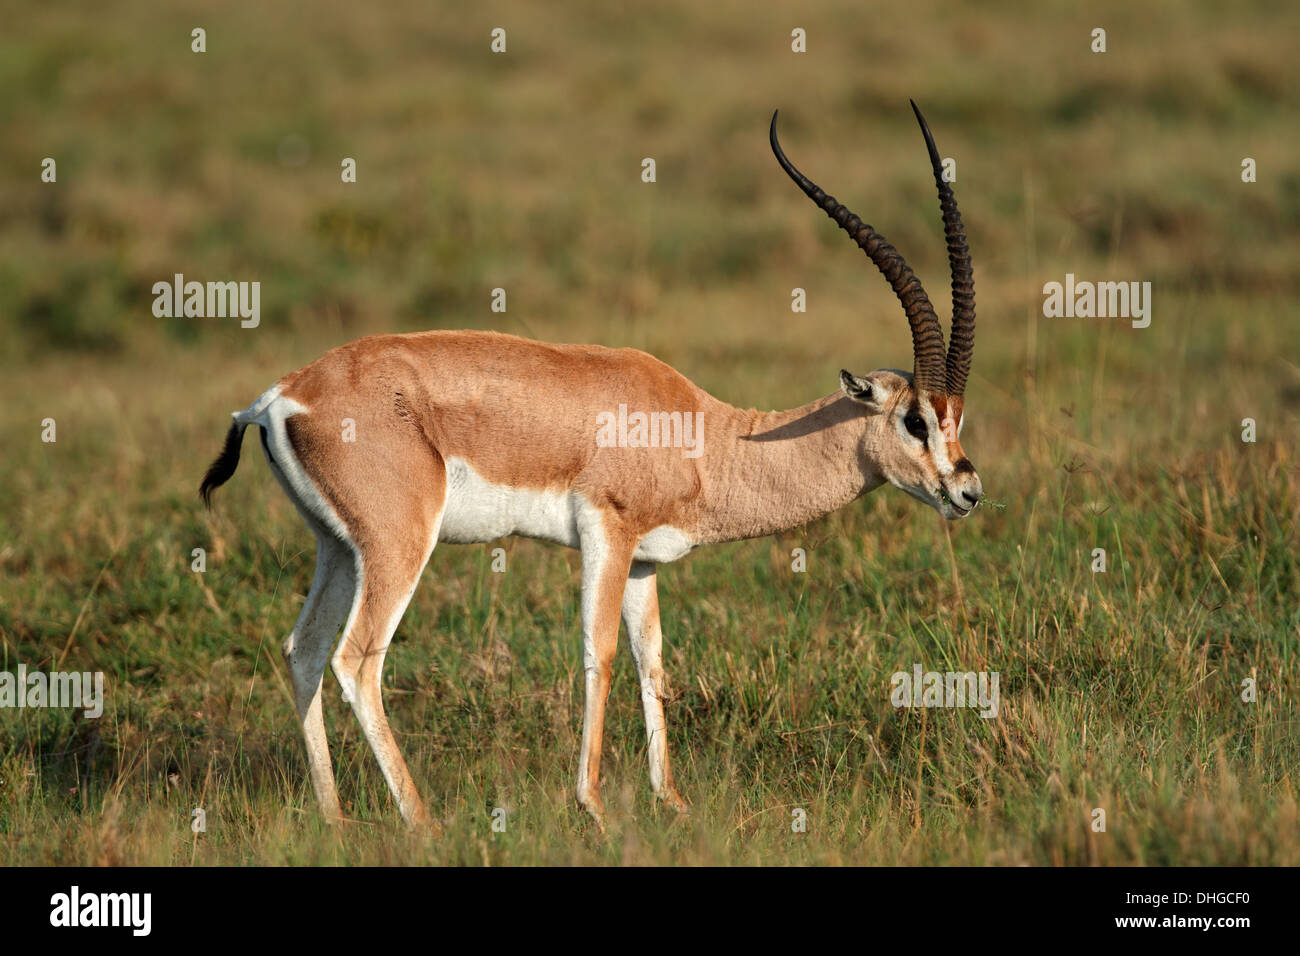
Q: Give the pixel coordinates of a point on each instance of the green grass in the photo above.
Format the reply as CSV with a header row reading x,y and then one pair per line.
x,y
1119,690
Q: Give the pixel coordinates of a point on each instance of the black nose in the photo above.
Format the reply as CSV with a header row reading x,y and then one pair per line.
x,y
963,467
973,499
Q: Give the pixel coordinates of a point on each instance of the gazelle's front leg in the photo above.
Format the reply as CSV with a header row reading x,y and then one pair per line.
x,y
605,564
641,618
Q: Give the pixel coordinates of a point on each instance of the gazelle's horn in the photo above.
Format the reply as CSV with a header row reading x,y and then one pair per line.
x,y
961,339
929,367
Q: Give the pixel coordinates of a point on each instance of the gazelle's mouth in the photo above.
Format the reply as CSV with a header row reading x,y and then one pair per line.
x,y
958,509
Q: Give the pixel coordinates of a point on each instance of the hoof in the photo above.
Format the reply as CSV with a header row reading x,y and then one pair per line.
x,y
419,823
675,800
595,808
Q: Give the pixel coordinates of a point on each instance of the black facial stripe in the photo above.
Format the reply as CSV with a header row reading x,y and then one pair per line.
x,y
963,467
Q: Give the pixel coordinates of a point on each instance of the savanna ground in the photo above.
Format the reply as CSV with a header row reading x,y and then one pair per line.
x,y
1120,690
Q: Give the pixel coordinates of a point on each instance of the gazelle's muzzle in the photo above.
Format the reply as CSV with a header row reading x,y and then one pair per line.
x,y
962,490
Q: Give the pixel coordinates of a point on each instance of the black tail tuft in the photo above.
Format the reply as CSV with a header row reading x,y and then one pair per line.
x,y
220,470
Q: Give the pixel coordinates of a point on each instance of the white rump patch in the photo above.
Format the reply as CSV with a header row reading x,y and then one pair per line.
x,y
269,413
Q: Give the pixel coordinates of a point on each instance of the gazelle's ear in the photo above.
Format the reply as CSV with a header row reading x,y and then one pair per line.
x,y
867,391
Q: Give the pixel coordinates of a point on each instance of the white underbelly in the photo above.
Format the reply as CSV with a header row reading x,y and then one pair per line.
x,y
478,510
663,544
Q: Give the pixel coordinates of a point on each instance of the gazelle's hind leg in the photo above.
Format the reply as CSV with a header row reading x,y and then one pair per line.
x,y
641,619
383,504
388,579
306,651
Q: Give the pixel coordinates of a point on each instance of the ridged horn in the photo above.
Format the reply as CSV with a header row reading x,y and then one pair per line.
x,y
929,368
961,339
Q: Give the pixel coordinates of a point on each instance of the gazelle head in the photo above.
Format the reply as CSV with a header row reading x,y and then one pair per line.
x,y
913,422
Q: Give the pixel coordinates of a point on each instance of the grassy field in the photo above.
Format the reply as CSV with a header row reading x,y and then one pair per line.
x,y
1120,690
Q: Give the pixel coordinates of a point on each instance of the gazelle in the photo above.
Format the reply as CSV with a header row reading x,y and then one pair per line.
x,y
472,436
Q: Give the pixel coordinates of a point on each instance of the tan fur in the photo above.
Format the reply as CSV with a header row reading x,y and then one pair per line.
x,y
523,414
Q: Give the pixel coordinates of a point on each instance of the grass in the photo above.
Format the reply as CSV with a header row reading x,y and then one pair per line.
x,y
1120,690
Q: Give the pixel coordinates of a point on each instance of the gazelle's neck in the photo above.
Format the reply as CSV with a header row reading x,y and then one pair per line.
x,y
771,471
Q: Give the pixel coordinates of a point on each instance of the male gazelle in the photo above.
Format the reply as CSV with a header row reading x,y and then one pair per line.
x,y
472,436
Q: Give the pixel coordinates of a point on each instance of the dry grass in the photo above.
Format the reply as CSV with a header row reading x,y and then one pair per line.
x,y
1119,690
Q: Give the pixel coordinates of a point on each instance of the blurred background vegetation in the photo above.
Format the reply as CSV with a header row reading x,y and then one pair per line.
x,y
522,171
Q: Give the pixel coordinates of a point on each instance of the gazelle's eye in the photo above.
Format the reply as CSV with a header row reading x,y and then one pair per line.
x,y
915,426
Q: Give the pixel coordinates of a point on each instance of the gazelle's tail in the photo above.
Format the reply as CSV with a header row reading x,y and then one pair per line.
x,y
219,471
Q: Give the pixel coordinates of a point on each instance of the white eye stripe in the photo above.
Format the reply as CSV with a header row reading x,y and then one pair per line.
x,y
938,445
939,450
